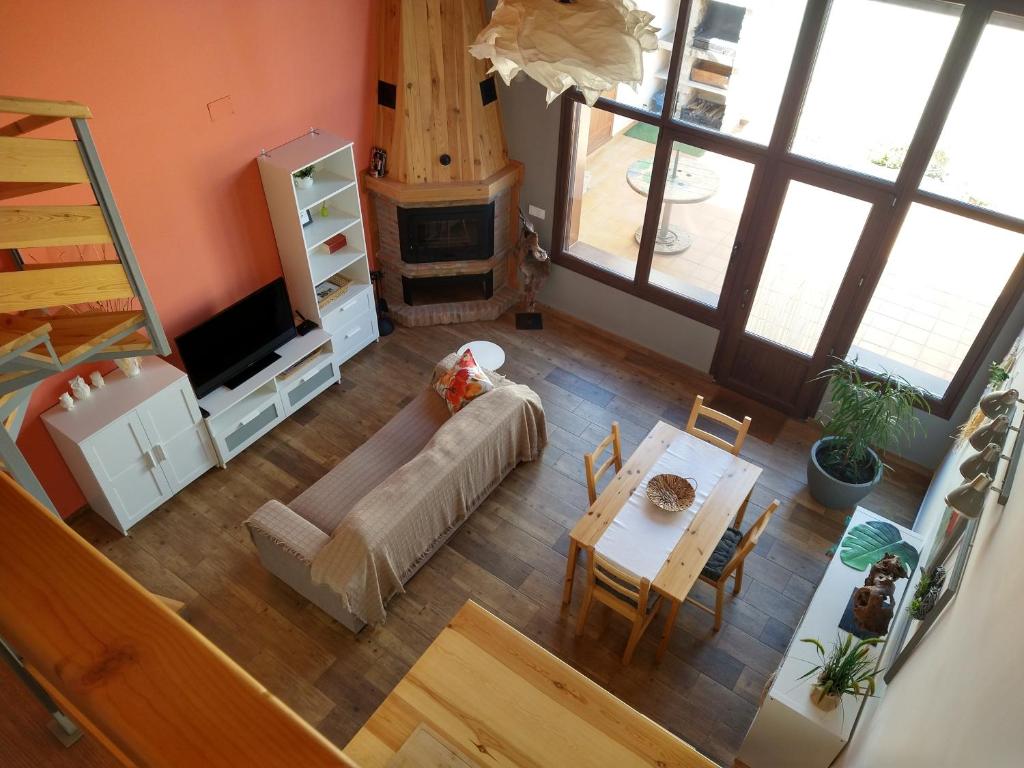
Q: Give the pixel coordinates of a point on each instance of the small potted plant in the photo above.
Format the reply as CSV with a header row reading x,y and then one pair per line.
x,y
848,668
865,416
304,178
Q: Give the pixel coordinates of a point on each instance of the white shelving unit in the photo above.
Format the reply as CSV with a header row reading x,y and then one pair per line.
x,y
349,317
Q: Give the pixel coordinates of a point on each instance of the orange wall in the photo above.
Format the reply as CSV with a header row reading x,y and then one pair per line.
x,y
187,185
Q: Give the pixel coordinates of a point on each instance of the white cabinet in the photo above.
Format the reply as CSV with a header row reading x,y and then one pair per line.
x,y
349,315
789,731
135,442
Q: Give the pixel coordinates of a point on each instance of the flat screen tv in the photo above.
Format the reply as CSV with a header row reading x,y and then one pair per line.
x,y
239,341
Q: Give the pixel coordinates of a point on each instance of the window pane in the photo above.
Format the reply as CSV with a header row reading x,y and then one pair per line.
x,y
735,65
704,197
939,284
978,158
814,239
875,69
608,197
650,95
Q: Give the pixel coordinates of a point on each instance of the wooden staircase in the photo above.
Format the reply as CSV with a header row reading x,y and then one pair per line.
x,y
54,313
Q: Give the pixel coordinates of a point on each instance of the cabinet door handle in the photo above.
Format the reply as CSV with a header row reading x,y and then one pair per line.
x,y
149,459
352,333
250,417
349,304
160,453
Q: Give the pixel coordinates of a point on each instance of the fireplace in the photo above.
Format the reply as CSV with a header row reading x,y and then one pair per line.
x,y
417,291
449,233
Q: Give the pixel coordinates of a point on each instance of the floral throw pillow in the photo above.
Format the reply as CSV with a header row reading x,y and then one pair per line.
x,y
463,383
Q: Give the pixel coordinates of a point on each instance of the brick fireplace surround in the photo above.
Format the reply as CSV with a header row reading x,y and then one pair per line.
x,y
387,196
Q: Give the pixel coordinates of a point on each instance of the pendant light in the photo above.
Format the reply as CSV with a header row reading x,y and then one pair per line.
x,y
593,45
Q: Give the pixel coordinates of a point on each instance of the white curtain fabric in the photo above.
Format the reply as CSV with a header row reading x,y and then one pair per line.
x,y
591,44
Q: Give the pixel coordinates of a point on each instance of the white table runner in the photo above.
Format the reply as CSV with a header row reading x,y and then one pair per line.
x,y
642,535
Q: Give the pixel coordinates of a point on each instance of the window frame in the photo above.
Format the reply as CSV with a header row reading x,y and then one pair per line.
x,y
775,161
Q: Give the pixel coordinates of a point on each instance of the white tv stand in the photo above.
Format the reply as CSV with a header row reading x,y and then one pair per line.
x,y
238,417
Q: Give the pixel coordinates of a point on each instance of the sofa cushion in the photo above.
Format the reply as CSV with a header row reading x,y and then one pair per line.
x,y
723,553
329,499
464,382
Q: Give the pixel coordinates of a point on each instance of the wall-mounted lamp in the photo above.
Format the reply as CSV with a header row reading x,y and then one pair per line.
x,y
984,461
993,432
998,403
969,499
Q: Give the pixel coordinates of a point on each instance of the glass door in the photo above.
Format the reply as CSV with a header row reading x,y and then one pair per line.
x,y
785,329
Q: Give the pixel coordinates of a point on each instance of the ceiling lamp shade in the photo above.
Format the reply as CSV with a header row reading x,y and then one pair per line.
x,y
591,44
994,431
995,403
984,461
969,499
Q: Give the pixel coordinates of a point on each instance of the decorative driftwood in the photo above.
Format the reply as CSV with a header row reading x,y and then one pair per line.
x,y
534,263
873,603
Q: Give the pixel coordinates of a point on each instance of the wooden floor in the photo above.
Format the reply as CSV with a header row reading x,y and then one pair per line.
x,y
510,556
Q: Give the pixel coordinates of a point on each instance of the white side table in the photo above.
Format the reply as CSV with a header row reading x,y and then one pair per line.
x,y
486,353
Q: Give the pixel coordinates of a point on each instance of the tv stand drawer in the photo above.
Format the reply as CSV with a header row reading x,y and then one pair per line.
x,y
312,383
248,420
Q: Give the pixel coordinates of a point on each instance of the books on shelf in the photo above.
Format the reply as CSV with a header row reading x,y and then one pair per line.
x,y
336,243
331,289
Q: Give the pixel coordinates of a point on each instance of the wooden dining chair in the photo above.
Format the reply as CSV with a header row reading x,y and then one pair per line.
x,y
727,560
613,441
624,593
739,427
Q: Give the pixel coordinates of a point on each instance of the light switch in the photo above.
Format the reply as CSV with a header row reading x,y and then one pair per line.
x,y
537,213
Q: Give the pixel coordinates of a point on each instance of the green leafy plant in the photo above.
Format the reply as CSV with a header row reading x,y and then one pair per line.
x,y
866,413
927,592
847,667
305,173
997,375
868,542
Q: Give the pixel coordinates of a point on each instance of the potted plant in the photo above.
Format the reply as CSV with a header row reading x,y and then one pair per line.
x,y
865,415
304,178
848,668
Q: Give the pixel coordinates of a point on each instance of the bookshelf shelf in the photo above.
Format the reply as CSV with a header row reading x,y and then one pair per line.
x,y
305,258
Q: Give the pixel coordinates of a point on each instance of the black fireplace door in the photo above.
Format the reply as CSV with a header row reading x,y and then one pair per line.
x,y
447,233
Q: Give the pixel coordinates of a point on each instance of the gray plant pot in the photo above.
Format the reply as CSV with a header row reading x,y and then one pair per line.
x,y
834,493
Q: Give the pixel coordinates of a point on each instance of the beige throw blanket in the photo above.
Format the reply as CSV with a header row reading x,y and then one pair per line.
x,y
401,521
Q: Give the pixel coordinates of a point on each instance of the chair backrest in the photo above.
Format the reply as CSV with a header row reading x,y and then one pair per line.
x,y
740,427
750,538
621,590
614,441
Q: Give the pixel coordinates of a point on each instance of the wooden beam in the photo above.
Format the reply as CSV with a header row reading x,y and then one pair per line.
x,y
76,335
159,691
44,107
46,160
26,124
18,331
9,189
60,285
43,225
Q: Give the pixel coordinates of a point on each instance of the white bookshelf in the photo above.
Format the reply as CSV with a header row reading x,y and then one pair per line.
x,y
350,318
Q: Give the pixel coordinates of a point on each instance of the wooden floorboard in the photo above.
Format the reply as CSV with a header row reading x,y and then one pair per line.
x,y
511,554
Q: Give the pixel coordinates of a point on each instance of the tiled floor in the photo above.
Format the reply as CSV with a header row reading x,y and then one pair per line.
x,y
938,288
510,555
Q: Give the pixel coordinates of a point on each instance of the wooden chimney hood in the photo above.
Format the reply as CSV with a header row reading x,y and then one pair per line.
x,y
437,109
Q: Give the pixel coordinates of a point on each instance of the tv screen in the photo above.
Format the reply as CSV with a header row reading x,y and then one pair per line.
x,y
241,337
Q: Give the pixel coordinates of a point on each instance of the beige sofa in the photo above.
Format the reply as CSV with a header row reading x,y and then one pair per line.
x,y
351,540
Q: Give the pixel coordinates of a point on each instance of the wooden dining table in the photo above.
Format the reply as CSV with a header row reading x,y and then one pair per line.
x,y
696,537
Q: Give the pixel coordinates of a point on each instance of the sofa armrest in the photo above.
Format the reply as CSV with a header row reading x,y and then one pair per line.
x,y
287,530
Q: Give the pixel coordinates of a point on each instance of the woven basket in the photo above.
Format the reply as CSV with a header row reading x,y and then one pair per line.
x,y
671,492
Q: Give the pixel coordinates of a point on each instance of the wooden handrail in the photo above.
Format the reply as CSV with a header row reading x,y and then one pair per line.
x,y
43,107
158,691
